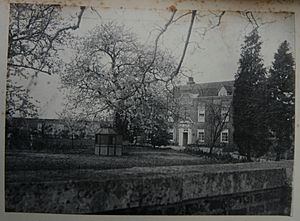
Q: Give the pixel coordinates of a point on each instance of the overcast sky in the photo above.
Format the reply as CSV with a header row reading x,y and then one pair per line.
x,y
213,57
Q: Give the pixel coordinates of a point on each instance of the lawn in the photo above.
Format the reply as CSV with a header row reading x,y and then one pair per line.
x,y
141,157
32,166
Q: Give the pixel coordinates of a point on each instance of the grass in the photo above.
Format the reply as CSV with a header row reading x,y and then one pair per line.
x,y
30,166
141,157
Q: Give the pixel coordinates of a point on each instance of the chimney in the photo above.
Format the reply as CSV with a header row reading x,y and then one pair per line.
x,y
191,81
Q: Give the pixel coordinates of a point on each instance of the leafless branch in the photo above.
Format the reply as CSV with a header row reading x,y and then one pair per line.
x,y
181,16
163,30
95,10
37,37
186,43
71,27
33,30
250,17
219,17
28,67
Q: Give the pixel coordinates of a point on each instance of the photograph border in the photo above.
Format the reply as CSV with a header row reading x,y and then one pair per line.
x,y
226,5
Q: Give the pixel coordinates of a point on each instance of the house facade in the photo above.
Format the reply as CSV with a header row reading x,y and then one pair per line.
x,y
205,114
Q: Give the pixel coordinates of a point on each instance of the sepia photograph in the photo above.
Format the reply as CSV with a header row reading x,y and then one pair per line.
x,y
140,111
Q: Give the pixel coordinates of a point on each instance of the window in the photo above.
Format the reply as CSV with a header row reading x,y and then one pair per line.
x,y
200,135
39,126
185,113
201,114
171,135
97,141
224,136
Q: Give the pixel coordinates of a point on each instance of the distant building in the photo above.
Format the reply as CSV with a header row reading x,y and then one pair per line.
x,y
56,127
36,125
204,113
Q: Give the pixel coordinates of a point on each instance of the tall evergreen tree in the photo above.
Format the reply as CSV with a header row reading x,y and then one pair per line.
x,y
250,100
281,85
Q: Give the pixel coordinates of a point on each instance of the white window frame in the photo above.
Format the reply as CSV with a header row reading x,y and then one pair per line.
x,y
198,136
222,136
171,131
201,110
39,126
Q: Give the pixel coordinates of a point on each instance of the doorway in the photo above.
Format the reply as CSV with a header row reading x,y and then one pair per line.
x,y
185,139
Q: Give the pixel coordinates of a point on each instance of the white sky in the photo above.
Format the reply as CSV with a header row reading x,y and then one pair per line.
x,y
213,57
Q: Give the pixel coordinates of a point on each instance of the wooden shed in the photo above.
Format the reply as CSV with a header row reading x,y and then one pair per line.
x,y
108,143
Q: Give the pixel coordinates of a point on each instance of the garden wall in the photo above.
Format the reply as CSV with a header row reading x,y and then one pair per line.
x,y
250,188
51,143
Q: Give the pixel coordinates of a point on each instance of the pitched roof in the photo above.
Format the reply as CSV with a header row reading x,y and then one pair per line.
x,y
207,89
106,131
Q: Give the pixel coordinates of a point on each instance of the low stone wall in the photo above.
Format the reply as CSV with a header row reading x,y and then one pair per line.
x,y
250,188
265,202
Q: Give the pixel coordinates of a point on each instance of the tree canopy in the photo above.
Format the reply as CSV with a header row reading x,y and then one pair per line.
x,y
113,74
281,86
250,101
36,33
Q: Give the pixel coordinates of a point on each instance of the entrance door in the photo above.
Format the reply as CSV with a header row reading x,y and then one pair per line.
x,y
185,139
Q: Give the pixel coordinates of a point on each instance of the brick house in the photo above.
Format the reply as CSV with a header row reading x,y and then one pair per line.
x,y
205,113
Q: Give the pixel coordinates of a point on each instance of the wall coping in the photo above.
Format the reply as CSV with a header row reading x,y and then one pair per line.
x,y
107,190
138,172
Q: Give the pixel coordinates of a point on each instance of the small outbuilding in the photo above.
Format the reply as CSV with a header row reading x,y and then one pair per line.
x,y
108,143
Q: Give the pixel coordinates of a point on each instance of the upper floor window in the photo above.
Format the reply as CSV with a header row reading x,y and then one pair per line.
x,y
201,135
225,136
201,113
39,126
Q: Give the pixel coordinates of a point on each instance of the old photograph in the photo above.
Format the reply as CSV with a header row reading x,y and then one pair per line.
x,y
126,111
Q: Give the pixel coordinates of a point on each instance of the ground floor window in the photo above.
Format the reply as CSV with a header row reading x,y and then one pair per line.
x,y
224,136
171,135
201,135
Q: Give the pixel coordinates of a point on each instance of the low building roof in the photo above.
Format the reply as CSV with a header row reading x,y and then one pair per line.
x,y
207,89
107,131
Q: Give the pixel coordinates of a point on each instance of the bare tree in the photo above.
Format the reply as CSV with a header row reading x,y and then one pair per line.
x,y
173,19
113,74
106,70
218,117
35,34
74,123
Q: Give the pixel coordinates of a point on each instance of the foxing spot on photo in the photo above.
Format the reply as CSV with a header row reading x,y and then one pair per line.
x,y
137,111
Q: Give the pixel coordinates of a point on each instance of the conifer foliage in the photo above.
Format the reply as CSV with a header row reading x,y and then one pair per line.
x,y
250,100
281,86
